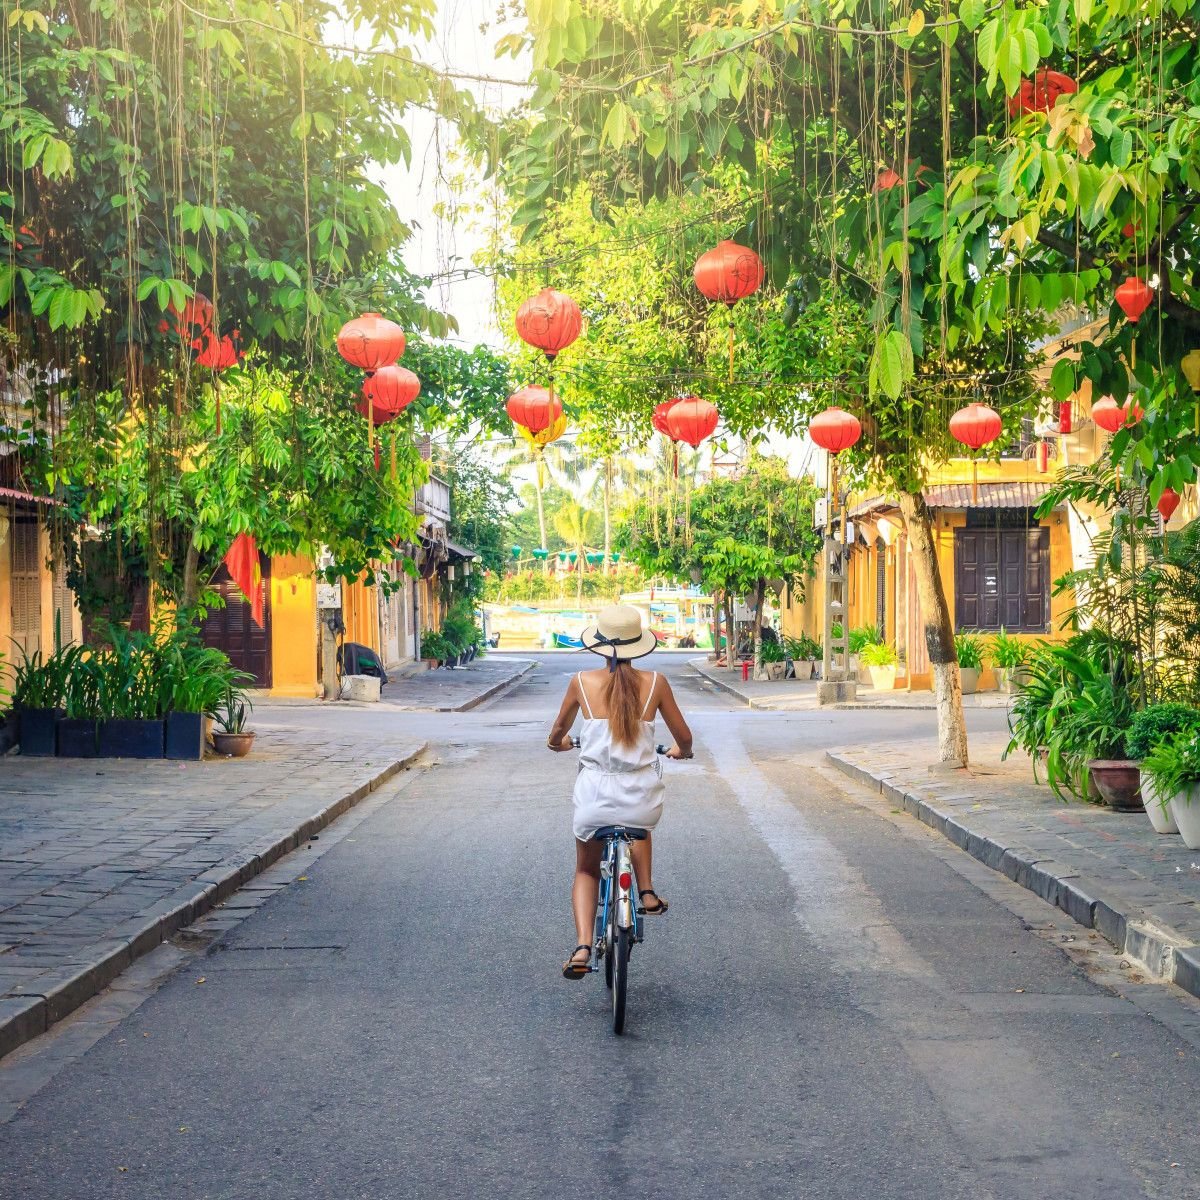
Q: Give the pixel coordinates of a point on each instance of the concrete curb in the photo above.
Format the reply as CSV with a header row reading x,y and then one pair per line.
x,y
488,693
1163,952
23,1018
717,682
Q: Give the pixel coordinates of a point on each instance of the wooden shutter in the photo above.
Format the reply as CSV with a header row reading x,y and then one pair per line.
x,y
1001,579
233,630
63,600
26,584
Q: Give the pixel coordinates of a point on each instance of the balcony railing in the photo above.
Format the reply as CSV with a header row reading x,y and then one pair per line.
x,y
432,499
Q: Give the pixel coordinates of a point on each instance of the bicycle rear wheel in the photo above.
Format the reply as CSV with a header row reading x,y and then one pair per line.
x,y
620,956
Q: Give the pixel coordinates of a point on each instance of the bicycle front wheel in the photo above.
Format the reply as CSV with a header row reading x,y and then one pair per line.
x,y
620,960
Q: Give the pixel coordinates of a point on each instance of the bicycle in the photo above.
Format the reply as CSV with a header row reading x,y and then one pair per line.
x,y
618,917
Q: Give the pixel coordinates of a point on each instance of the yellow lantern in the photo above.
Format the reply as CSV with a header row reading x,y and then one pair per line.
x,y
1191,368
544,437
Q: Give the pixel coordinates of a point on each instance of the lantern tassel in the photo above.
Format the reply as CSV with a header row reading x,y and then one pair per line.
x,y
731,345
675,450
975,482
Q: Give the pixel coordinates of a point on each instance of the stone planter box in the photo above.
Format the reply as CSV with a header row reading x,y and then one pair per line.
x,y
883,679
970,680
184,734
38,731
361,687
77,737
126,737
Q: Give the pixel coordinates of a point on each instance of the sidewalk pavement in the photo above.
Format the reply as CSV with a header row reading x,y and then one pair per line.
x,y
103,859
1109,871
789,695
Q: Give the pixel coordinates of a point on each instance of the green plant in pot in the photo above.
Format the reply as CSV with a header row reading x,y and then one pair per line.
x,y
196,678
1008,656
1030,715
435,648
773,659
805,653
84,682
880,660
1174,767
1091,718
38,696
231,736
969,649
1149,729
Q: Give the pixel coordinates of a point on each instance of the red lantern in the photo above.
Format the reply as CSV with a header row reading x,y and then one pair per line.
x,y
728,272
1129,229
1043,457
659,418
1168,502
691,420
835,430
976,425
551,321
534,407
217,353
388,392
197,313
1134,296
1110,415
370,342
886,180
1065,418
1040,93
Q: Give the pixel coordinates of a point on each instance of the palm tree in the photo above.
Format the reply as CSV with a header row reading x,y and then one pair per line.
x,y
547,455
574,524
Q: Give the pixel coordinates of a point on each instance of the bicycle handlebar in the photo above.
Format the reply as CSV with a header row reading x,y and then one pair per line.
x,y
657,749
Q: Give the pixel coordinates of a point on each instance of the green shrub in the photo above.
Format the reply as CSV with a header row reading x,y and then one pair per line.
x,y
969,649
1153,725
771,651
435,645
1174,764
865,635
878,654
1008,652
804,647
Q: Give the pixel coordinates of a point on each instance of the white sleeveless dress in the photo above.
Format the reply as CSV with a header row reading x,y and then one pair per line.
x,y
616,785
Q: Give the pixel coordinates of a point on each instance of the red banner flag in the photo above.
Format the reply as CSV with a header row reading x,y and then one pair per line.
x,y
242,562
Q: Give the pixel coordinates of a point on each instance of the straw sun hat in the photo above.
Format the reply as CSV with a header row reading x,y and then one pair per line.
x,y
618,635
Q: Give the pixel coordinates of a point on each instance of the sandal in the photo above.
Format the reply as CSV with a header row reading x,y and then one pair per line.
x,y
658,909
573,968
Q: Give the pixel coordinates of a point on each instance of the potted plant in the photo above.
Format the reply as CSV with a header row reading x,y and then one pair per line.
x,y
805,652
880,660
1174,767
198,677
857,640
77,730
1008,656
37,696
1030,713
969,649
232,737
1147,730
1092,713
132,696
434,649
773,658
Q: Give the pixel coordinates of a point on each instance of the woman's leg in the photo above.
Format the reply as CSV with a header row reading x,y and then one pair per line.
x,y
642,856
586,890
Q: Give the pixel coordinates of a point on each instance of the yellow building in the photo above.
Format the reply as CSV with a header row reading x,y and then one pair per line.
x,y
998,560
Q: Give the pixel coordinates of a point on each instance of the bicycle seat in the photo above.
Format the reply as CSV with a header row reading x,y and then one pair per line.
x,y
629,831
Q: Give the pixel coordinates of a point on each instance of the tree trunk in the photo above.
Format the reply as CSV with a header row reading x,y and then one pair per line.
x,y
730,635
537,487
608,516
716,624
939,630
760,596
191,589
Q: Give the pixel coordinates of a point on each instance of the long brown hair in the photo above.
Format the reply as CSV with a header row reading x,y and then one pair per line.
x,y
623,697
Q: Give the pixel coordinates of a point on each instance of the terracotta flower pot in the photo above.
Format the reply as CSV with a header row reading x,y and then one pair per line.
x,y
235,745
1117,781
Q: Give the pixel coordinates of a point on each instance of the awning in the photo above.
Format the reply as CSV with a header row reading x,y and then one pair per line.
x,y
7,493
959,495
462,552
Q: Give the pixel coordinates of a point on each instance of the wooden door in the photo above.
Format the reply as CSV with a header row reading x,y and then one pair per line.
x,y
233,630
26,583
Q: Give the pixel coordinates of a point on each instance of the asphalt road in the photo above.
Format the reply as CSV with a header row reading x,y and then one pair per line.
x,y
836,1006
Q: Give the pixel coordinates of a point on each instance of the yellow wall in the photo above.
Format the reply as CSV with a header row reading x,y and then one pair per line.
x,y
360,613
293,626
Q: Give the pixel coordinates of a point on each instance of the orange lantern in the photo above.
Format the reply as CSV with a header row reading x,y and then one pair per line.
x,y
370,342
551,321
387,393
728,273
1134,296
536,408
1110,415
976,426
835,430
1168,502
691,420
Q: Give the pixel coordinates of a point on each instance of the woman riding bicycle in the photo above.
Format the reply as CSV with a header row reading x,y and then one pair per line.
x,y
619,780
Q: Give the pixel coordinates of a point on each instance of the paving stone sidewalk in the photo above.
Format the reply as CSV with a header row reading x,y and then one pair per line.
x,y
1109,871
455,689
789,695
102,859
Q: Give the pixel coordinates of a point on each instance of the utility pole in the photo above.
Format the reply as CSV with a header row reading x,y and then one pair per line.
x,y
836,686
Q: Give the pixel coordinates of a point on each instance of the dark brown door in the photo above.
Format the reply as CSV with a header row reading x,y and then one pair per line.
x,y
1002,579
233,630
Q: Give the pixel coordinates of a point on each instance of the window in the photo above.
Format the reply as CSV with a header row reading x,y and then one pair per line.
x,y
1001,579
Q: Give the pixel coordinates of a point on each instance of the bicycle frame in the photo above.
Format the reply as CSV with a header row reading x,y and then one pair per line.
x,y
616,861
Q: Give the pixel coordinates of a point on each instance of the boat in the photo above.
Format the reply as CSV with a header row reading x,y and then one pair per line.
x,y
564,641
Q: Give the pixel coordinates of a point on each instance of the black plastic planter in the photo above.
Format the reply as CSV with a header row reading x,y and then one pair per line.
x,y
127,737
77,737
184,735
38,731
